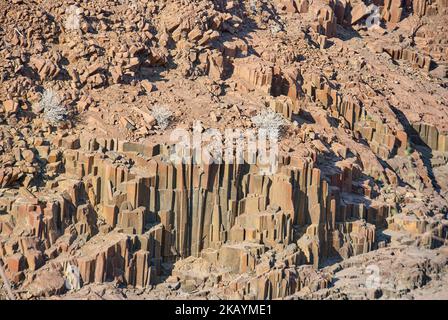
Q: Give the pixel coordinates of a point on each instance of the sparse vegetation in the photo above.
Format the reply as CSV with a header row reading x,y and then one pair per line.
x,y
409,150
53,111
270,120
253,6
72,22
393,211
380,181
162,115
275,28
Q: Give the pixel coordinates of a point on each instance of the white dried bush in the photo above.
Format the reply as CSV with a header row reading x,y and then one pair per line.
x,y
270,121
51,106
73,19
253,6
275,28
162,115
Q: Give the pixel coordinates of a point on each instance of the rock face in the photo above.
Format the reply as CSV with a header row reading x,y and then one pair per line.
x,y
176,211
228,215
91,94
390,273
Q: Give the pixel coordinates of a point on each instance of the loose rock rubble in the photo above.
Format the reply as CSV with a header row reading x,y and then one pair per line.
x,y
91,91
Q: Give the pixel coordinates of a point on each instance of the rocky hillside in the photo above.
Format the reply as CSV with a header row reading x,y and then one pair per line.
x,y
92,204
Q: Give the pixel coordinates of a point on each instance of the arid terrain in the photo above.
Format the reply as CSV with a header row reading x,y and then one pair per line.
x,y
93,204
